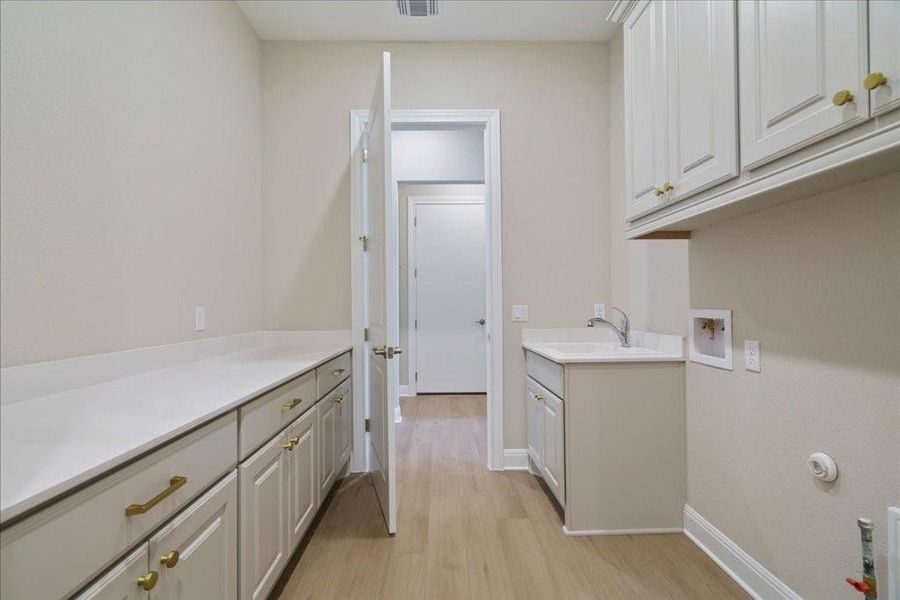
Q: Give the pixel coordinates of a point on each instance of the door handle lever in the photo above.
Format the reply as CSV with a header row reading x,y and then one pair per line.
x,y
479,321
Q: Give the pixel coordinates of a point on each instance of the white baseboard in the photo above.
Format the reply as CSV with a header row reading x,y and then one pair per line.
x,y
740,566
398,418
515,459
405,391
649,531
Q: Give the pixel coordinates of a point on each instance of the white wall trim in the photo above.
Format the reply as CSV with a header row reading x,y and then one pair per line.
x,y
740,566
490,120
405,391
412,298
649,531
515,459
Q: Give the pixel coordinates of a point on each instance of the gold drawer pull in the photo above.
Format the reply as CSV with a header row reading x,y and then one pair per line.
x,y
842,97
291,443
169,559
538,397
874,80
338,399
294,403
337,372
148,581
138,509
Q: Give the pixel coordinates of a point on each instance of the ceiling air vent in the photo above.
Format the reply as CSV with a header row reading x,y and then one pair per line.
x,y
417,8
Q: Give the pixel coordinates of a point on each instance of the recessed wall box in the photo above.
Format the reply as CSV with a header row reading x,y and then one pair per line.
x,y
709,338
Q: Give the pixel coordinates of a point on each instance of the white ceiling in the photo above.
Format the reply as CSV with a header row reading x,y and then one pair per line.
x,y
459,20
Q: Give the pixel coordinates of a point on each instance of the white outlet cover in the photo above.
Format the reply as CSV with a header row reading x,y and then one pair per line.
x,y
199,318
600,310
519,312
751,356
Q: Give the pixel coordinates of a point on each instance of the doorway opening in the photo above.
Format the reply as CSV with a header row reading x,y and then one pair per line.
x,y
450,284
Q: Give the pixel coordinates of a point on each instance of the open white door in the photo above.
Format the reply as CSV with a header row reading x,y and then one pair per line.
x,y
382,297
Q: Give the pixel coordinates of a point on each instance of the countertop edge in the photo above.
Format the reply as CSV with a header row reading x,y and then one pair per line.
x,y
54,493
554,357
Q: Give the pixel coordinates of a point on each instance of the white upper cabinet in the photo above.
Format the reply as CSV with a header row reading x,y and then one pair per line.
x,y
645,107
702,95
802,66
884,56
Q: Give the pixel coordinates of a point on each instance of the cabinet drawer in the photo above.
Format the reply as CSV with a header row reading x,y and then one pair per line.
x,y
60,548
546,372
332,373
272,412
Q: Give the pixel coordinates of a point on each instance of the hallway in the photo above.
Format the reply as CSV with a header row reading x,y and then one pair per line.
x,y
466,532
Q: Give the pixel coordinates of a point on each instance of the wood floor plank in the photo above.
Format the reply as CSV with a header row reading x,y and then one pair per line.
x,y
466,532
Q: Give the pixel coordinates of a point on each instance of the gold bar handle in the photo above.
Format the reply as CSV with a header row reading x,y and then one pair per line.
x,y
294,403
138,509
337,372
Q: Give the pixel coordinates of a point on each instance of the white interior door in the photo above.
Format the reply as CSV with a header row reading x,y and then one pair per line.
x,y
449,278
382,296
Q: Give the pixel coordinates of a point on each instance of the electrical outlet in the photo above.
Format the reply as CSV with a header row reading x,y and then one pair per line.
x,y
519,312
751,356
199,318
600,310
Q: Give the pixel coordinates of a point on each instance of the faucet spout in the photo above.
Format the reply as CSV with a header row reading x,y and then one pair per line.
x,y
622,330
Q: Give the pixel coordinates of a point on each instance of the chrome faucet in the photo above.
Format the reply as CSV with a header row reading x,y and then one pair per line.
x,y
623,329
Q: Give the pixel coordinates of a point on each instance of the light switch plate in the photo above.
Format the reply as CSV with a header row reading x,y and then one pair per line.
x,y
751,356
199,318
519,312
600,310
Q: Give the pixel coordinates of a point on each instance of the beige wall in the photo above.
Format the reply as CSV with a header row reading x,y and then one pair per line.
x,y
405,191
554,120
130,175
649,279
817,282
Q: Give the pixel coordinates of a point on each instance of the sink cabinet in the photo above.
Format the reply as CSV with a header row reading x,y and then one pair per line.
x,y
610,448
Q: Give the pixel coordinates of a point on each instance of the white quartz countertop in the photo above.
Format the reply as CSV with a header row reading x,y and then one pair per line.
x,y
50,444
566,346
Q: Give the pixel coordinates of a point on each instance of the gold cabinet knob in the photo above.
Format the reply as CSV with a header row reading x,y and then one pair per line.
x,y
658,191
148,581
338,399
874,80
842,97
337,372
291,443
668,187
169,559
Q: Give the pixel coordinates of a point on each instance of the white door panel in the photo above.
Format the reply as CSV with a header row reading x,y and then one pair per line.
x,y
382,298
645,102
702,79
449,267
554,446
120,582
884,53
205,538
794,56
302,487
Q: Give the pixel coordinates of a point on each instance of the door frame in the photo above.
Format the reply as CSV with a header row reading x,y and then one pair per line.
x,y
411,290
490,121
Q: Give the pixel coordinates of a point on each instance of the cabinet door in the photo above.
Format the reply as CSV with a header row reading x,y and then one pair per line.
x,y
645,108
302,485
327,458
121,581
554,446
794,56
196,554
884,54
263,528
345,420
535,424
702,96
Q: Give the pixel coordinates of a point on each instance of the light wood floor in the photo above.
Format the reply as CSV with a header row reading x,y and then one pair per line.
x,y
466,532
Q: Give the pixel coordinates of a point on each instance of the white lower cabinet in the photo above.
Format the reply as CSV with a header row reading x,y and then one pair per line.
x,y
554,446
345,427
327,409
264,533
196,554
546,437
302,489
121,582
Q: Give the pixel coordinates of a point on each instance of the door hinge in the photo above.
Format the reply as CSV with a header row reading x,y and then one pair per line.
x,y
416,324
415,272
365,334
417,375
368,425
365,155
415,221
365,242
